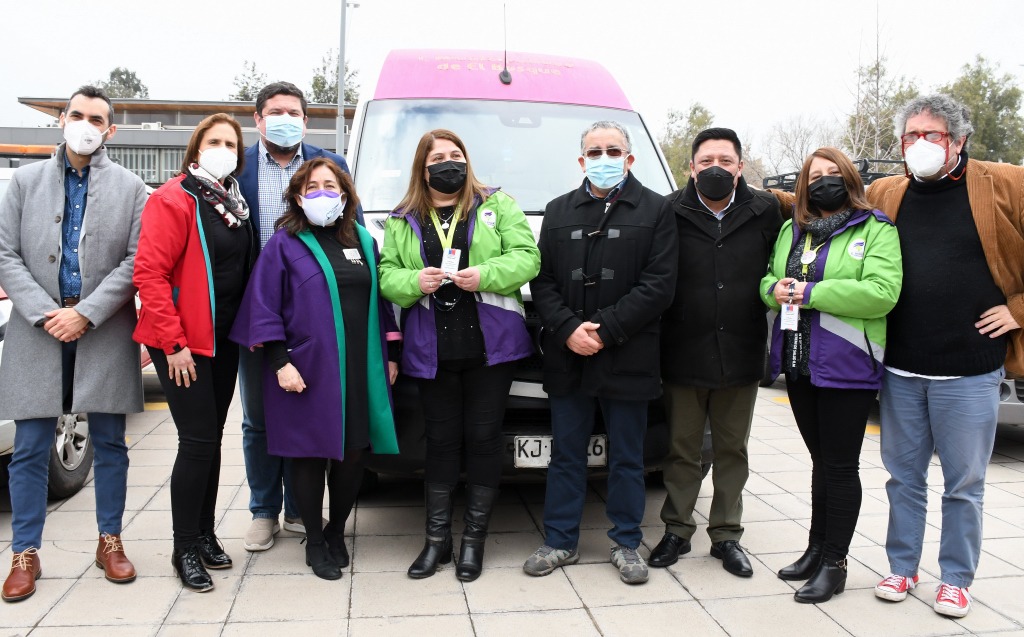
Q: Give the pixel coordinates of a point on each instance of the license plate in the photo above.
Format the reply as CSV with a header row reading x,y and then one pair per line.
x,y
534,452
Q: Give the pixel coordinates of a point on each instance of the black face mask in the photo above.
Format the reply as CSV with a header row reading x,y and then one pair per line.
x,y
828,194
715,183
447,177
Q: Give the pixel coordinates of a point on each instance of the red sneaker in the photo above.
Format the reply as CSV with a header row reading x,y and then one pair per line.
x,y
894,588
952,601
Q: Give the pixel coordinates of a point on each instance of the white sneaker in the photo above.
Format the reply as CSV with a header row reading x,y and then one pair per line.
x,y
952,601
260,535
894,588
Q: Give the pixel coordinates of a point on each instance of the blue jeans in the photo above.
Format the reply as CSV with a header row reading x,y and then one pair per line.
x,y
264,472
572,422
956,418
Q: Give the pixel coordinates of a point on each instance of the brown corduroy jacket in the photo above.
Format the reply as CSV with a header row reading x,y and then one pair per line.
x,y
996,193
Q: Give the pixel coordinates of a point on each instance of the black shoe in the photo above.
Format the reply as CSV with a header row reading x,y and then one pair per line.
x,y
336,544
733,558
828,580
189,567
479,503
211,551
438,547
319,557
805,566
668,551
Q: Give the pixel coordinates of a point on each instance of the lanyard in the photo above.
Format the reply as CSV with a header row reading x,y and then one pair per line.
x,y
449,237
809,255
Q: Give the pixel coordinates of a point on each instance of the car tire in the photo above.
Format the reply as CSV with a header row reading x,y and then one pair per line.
x,y
70,456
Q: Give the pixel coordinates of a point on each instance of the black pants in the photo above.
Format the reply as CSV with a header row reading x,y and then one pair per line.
x,y
199,413
832,423
464,409
343,481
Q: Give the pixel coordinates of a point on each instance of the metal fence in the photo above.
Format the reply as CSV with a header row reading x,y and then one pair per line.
x,y
154,165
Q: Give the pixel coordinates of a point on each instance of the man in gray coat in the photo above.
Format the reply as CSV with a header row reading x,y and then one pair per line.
x,y
68,231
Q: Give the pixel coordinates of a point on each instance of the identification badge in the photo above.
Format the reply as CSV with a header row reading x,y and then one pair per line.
x,y
789,317
352,254
450,261
808,257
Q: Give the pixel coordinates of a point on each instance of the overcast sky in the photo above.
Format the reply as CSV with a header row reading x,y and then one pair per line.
x,y
752,63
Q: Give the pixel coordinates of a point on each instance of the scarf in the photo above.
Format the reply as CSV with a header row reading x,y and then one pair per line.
x,y
226,201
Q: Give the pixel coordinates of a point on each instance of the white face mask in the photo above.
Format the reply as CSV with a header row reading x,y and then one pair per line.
x,y
219,161
323,207
925,159
82,137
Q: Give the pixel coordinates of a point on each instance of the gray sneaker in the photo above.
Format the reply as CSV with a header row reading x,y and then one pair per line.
x,y
260,535
546,559
632,568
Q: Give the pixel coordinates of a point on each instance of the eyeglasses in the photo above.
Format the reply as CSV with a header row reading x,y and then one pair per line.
x,y
932,136
613,152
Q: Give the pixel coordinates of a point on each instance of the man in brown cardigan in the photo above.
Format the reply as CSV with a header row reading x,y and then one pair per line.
x,y
955,327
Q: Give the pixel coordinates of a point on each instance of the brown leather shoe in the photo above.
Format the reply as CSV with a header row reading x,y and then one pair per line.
x,y
111,558
21,582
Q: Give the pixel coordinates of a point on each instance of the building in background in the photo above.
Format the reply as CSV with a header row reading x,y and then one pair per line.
x,y
152,134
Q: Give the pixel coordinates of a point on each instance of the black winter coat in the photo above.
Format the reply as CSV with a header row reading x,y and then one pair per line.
x,y
715,333
622,277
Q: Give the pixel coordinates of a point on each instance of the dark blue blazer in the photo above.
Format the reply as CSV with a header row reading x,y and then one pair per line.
x,y
248,180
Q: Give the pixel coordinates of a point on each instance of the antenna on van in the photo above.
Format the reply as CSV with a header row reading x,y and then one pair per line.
x,y
505,76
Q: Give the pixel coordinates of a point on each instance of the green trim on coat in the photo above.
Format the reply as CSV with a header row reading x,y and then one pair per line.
x,y
382,422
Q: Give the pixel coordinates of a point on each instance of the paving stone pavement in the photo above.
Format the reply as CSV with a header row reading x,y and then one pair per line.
x,y
274,593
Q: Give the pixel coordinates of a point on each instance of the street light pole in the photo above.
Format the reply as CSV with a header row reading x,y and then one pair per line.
x,y
340,124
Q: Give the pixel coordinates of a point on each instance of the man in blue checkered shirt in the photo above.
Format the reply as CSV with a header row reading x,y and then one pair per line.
x,y
270,164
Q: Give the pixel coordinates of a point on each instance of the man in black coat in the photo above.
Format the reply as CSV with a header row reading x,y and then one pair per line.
x,y
608,271
713,344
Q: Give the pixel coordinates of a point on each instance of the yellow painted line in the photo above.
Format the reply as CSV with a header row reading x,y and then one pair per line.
x,y
155,406
782,400
873,430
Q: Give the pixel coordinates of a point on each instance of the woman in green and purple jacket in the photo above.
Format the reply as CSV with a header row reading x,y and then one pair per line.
x,y
834,275
455,255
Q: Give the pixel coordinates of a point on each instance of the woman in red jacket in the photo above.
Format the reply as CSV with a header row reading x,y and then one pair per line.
x,y
191,266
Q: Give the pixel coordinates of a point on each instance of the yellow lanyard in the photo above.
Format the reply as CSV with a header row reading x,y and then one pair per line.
x,y
809,255
446,239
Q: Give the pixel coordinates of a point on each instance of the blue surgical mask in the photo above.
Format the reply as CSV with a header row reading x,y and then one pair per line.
x,y
604,172
284,130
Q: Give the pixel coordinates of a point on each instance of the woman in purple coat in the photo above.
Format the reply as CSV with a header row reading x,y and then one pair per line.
x,y
331,343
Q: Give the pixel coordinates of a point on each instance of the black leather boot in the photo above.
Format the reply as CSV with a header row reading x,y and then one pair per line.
x,y
189,567
805,566
479,503
336,543
319,557
438,546
828,580
211,551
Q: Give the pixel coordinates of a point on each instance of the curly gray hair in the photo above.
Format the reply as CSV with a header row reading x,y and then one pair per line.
x,y
605,123
957,116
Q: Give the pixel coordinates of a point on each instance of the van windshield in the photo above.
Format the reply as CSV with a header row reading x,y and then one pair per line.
x,y
529,149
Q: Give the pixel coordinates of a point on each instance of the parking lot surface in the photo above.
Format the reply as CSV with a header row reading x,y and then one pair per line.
x,y
274,593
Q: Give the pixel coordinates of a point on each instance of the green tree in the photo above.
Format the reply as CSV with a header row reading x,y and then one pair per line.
x,y
869,130
248,83
677,138
994,103
325,82
123,83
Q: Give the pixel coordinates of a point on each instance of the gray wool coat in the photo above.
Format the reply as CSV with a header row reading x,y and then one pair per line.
x,y
107,369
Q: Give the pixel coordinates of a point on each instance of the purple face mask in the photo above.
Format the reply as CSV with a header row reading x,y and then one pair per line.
x,y
323,207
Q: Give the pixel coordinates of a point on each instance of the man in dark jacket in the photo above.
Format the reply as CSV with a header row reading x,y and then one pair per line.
x,y
713,343
608,271
270,164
